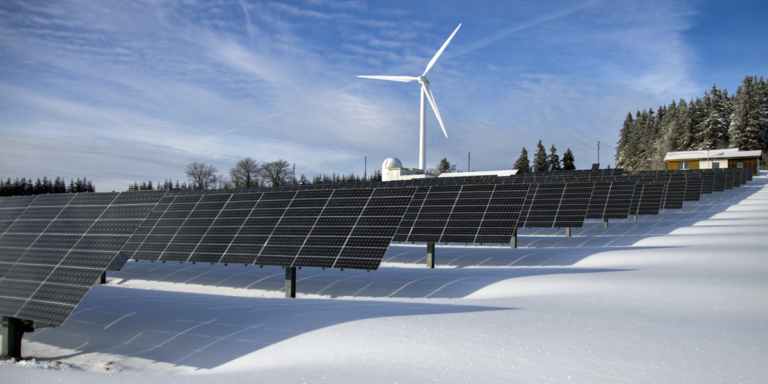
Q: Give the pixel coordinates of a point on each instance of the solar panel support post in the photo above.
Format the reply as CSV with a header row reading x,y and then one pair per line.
x,y
605,222
102,278
13,331
568,232
430,255
513,240
290,282
634,218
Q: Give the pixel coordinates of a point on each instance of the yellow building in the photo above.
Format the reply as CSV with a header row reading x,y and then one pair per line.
x,y
713,159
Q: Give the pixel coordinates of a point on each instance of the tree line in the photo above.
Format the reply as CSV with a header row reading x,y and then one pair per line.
x,y
26,187
248,173
543,161
716,120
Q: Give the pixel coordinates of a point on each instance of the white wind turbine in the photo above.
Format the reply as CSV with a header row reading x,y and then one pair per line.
x,y
425,94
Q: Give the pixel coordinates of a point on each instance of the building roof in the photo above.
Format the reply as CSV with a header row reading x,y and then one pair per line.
x,y
504,172
713,154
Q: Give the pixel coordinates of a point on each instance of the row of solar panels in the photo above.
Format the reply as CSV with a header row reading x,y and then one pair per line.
x,y
536,177
53,247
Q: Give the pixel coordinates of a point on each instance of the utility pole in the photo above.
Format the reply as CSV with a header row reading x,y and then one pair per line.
x,y
598,152
468,158
365,172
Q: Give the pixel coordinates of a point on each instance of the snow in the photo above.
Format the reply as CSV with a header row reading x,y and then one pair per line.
x,y
677,297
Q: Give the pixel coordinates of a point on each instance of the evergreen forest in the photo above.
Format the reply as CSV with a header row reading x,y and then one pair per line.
x,y
716,120
26,187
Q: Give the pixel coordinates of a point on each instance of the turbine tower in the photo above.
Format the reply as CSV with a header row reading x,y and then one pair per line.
x,y
425,94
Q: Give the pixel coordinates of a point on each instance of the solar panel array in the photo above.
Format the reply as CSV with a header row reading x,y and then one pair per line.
x,y
56,246
647,199
465,213
344,228
611,200
556,205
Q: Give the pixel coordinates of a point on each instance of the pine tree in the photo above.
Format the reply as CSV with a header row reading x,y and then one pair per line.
x,y
568,160
713,129
763,89
622,149
749,117
38,188
522,164
444,166
553,159
540,159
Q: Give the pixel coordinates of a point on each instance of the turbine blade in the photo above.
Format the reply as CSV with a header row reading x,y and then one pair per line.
x,y
440,52
403,79
434,106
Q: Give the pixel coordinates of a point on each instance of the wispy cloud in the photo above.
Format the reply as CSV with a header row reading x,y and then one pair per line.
x,y
488,40
151,88
353,5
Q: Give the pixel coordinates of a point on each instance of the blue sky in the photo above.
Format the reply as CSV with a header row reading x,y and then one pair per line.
x,y
130,91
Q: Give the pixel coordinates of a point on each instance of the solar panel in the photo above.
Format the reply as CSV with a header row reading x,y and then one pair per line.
x,y
647,199
501,216
598,200
729,178
57,263
619,200
707,182
743,175
693,187
28,217
327,228
411,213
433,214
675,194
719,185
573,206
474,213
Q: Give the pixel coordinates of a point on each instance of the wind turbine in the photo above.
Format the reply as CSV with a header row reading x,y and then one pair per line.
x,y
425,94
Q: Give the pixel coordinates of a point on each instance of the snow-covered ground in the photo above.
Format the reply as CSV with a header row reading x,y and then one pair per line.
x,y
678,297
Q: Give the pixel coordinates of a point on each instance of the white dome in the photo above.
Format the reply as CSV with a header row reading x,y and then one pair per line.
x,y
392,162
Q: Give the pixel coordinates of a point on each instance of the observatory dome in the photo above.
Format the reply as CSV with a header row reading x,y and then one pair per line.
x,y
392,162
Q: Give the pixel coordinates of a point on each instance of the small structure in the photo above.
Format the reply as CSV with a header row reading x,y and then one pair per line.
x,y
392,170
714,159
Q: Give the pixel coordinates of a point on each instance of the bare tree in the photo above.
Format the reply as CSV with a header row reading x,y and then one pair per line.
x,y
220,182
245,173
201,175
276,173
